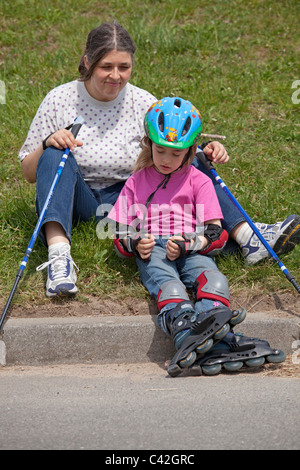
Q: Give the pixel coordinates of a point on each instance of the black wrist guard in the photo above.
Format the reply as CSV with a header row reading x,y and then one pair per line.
x,y
217,238
45,141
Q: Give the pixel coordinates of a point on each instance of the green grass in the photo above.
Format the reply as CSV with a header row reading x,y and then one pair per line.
x,y
235,60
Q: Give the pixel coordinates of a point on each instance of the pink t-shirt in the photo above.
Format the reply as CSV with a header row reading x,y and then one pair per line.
x,y
186,202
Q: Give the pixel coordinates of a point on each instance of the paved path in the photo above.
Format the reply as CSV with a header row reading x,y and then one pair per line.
x,y
134,407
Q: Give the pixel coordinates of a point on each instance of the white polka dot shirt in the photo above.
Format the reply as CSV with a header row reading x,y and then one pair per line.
x,y
111,132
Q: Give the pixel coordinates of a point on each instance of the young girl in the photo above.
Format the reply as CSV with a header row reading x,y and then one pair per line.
x,y
168,215
176,211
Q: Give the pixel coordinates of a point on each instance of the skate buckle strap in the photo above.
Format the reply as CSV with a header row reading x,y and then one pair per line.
x,y
199,326
236,347
181,317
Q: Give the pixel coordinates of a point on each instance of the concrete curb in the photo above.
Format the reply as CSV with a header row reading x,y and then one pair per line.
x,y
118,339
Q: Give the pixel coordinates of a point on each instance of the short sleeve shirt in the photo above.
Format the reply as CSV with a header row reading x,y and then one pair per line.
x,y
111,133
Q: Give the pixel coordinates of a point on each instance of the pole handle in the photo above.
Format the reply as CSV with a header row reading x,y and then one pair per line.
x,y
203,159
77,125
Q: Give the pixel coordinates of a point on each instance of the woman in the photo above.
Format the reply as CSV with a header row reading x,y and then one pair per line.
x,y
102,157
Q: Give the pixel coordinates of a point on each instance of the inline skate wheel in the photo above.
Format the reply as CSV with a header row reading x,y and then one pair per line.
x,y
233,366
203,348
256,362
278,356
239,317
222,332
189,360
211,370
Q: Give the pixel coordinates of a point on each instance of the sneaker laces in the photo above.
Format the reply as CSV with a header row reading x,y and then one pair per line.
x,y
59,266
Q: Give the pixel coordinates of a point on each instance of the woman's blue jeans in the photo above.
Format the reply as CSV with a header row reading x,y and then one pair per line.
x,y
73,200
159,270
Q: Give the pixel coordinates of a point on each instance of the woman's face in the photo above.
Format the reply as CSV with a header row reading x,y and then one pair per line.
x,y
110,75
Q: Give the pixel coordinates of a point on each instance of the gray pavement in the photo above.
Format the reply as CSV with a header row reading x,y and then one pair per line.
x,y
118,339
100,382
138,407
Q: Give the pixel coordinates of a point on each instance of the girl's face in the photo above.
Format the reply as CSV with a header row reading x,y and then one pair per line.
x,y
167,159
110,75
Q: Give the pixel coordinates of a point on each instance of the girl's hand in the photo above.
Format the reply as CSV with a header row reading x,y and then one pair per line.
x,y
216,152
145,246
63,139
173,250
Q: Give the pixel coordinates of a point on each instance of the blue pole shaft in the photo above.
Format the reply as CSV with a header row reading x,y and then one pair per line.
x,y
75,129
207,163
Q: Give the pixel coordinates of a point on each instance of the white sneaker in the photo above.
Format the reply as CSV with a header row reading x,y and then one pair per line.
x,y
282,238
61,273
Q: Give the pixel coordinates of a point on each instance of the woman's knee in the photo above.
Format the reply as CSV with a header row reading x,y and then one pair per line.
x,y
50,160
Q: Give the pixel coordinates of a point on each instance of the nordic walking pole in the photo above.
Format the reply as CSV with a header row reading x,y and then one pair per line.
x,y
75,129
208,164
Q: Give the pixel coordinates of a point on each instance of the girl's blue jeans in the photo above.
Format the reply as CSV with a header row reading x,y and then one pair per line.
x,y
73,200
159,269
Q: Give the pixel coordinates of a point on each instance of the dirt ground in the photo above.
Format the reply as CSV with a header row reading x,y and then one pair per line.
x,y
283,304
287,369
